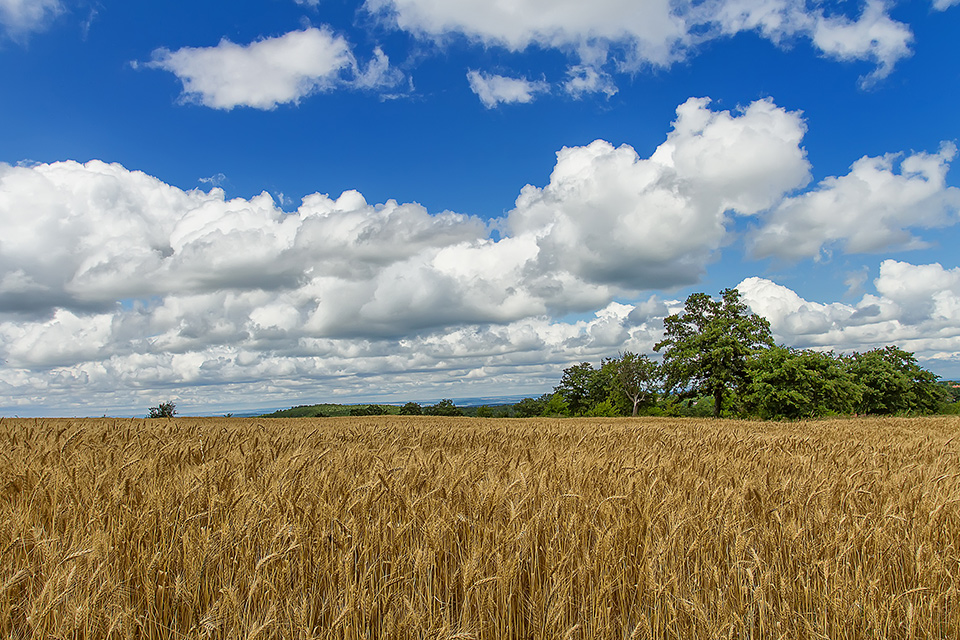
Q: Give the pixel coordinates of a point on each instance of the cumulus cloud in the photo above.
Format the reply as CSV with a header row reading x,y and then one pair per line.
x,y
83,236
917,307
119,290
272,71
652,32
874,37
869,209
566,23
20,17
494,90
943,5
609,216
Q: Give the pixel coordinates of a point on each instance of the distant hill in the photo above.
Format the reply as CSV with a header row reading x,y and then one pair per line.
x,y
500,407
332,410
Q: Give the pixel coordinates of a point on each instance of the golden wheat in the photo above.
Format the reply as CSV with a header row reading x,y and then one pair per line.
x,y
386,527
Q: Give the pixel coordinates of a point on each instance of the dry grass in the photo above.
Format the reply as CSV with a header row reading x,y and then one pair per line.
x,y
464,528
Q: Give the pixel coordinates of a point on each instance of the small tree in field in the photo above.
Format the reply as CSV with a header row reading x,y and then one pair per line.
x,y
163,410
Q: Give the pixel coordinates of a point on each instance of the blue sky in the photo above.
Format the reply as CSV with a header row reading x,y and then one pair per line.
x,y
261,204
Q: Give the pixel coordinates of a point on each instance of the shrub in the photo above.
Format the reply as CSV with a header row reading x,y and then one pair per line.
x,y
163,410
443,408
411,409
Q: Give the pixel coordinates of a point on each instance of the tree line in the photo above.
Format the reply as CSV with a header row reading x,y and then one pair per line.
x,y
719,359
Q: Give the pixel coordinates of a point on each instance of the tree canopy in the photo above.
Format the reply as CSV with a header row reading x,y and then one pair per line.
x,y
893,382
706,348
163,410
638,378
799,383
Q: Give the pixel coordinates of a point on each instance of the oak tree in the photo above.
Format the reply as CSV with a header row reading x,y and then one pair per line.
x,y
707,346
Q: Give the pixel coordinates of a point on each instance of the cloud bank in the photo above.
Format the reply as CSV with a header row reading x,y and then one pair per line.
x,y
118,290
652,32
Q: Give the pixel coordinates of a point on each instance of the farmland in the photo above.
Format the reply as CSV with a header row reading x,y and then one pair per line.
x,y
403,527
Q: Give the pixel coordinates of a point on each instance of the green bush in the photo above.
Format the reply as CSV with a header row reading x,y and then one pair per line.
x,y
163,410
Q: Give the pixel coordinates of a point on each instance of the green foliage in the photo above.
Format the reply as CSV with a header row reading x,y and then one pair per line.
x,y
604,408
163,410
324,411
556,407
583,388
701,407
674,406
531,407
411,409
443,408
578,387
484,412
894,383
949,409
368,410
637,380
708,345
952,390
793,384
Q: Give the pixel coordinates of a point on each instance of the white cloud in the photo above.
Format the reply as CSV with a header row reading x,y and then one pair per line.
x,y
869,209
874,36
650,24
583,79
651,32
608,216
118,290
943,5
272,71
378,74
917,308
494,90
82,237
69,362
20,17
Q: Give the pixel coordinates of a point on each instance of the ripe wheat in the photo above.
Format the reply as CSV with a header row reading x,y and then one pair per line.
x,y
387,527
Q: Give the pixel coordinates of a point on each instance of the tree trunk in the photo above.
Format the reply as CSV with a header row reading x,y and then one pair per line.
x,y
717,400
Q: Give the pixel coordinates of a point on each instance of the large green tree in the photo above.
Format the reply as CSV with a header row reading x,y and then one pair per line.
x,y
580,387
893,382
707,346
799,383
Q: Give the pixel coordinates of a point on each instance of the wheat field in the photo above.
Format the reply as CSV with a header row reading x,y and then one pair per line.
x,y
390,527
